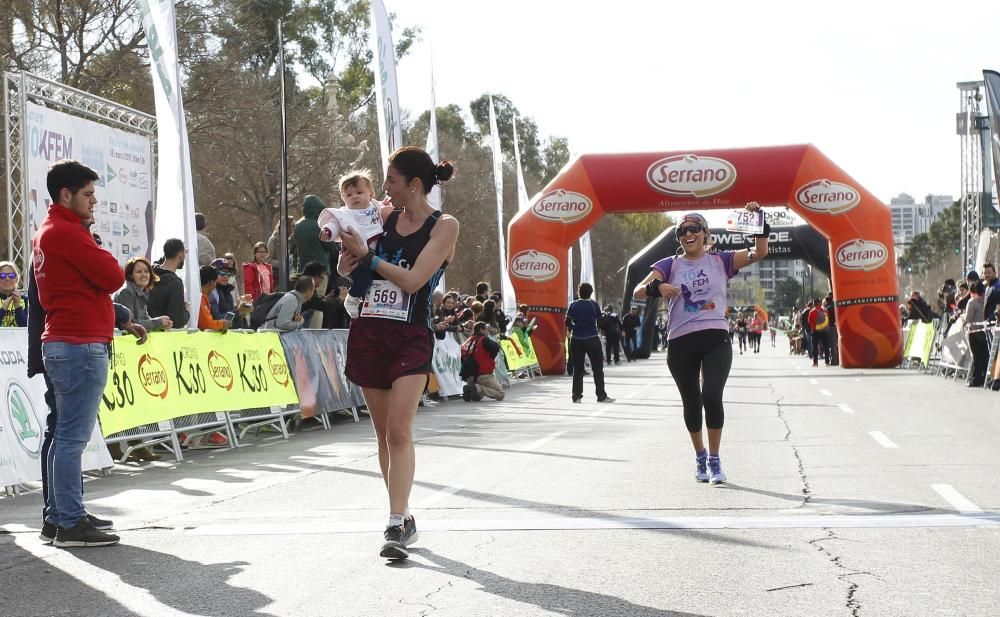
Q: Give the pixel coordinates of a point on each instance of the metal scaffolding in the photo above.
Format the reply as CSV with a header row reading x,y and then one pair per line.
x,y
22,88
973,130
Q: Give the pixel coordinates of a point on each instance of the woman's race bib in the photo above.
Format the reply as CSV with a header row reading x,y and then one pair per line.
x,y
386,300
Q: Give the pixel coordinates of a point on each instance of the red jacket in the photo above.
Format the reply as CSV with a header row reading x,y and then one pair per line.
x,y
75,279
484,350
252,280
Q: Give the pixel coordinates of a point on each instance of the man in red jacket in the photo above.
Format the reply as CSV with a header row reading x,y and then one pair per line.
x,y
75,278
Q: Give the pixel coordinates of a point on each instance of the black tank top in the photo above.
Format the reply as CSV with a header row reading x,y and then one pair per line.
x,y
403,251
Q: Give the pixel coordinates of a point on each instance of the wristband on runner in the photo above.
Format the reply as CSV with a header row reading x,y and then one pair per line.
x,y
376,260
765,233
653,289
367,259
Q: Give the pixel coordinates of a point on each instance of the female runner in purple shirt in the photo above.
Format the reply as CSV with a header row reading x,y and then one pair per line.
x,y
698,341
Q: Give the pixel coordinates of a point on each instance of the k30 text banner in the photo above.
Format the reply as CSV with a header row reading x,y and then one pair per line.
x,y
178,373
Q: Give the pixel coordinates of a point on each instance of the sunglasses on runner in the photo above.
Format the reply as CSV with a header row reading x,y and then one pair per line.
x,y
8,275
686,229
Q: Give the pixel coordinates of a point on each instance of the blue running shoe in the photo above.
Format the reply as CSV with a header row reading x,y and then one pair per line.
x,y
715,473
701,468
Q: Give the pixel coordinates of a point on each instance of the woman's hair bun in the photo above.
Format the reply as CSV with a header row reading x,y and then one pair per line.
x,y
444,171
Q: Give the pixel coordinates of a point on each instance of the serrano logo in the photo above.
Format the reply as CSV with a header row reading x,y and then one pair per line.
x,y
534,266
563,206
862,255
153,376
691,175
221,370
828,197
279,369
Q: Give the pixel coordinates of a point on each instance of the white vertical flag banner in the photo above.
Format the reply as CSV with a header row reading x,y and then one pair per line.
x,y
386,93
570,291
434,197
174,192
506,288
522,191
992,81
586,260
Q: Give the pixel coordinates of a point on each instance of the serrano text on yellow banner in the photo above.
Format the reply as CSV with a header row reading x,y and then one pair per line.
x,y
178,373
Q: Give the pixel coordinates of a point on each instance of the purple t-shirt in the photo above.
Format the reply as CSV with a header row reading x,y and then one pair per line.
x,y
702,303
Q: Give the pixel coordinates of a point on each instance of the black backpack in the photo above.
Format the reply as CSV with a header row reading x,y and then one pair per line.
x,y
262,309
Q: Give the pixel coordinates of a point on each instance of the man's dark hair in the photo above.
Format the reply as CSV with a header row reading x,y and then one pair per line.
x,y
208,274
988,265
585,290
68,174
304,284
199,221
172,248
482,287
480,328
979,288
314,268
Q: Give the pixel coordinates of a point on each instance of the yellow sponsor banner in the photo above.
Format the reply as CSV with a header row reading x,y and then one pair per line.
x,y
514,355
529,353
177,374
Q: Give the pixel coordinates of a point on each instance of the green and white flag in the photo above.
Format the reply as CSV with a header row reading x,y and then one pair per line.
x,y
174,193
522,191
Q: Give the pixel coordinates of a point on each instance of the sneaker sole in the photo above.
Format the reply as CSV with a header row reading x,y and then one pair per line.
x,y
81,544
394,551
717,481
46,539
697,479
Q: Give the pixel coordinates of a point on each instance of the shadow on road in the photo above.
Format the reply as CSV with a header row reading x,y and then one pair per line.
x,y
552,598
884,507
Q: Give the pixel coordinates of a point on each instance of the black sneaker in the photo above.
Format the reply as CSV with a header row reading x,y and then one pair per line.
x,y
606,399
48,533
83,535
410,534
467,391
394,547
99,523
577,400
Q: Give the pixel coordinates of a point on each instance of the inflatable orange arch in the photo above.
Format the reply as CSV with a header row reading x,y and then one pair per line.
x,y
857,225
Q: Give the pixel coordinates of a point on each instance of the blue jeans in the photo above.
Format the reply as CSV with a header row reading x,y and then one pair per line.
x,y
78,374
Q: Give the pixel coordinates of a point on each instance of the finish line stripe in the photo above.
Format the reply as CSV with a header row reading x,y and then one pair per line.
x,y
833,521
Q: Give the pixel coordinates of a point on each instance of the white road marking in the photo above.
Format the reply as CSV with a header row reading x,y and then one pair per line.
x,y
825,392
432,499
804,372
557,523
544,440
135,600
599,412
956,499
883,441
844,407
814,382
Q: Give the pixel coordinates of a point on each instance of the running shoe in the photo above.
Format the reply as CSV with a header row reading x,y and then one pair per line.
x,y
84,534
395,547
410,534
467,391
606,399
701,467
48,533
715,473
99,523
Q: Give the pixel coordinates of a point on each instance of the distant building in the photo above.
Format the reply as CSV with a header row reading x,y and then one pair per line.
x,y
910,218
769,271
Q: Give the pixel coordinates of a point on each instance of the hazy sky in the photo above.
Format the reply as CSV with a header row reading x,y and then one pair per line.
x,y
871,84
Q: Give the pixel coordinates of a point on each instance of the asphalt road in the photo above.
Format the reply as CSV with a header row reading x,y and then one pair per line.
x,y
852,492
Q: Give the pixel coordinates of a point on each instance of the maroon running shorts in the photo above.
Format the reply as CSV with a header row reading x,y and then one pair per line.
x,y
380,351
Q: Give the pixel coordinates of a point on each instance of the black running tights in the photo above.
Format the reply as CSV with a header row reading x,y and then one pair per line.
x,y
707,356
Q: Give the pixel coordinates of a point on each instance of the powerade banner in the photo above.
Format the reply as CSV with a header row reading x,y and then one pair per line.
x,y
124,192
22,427
177,374
316,359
